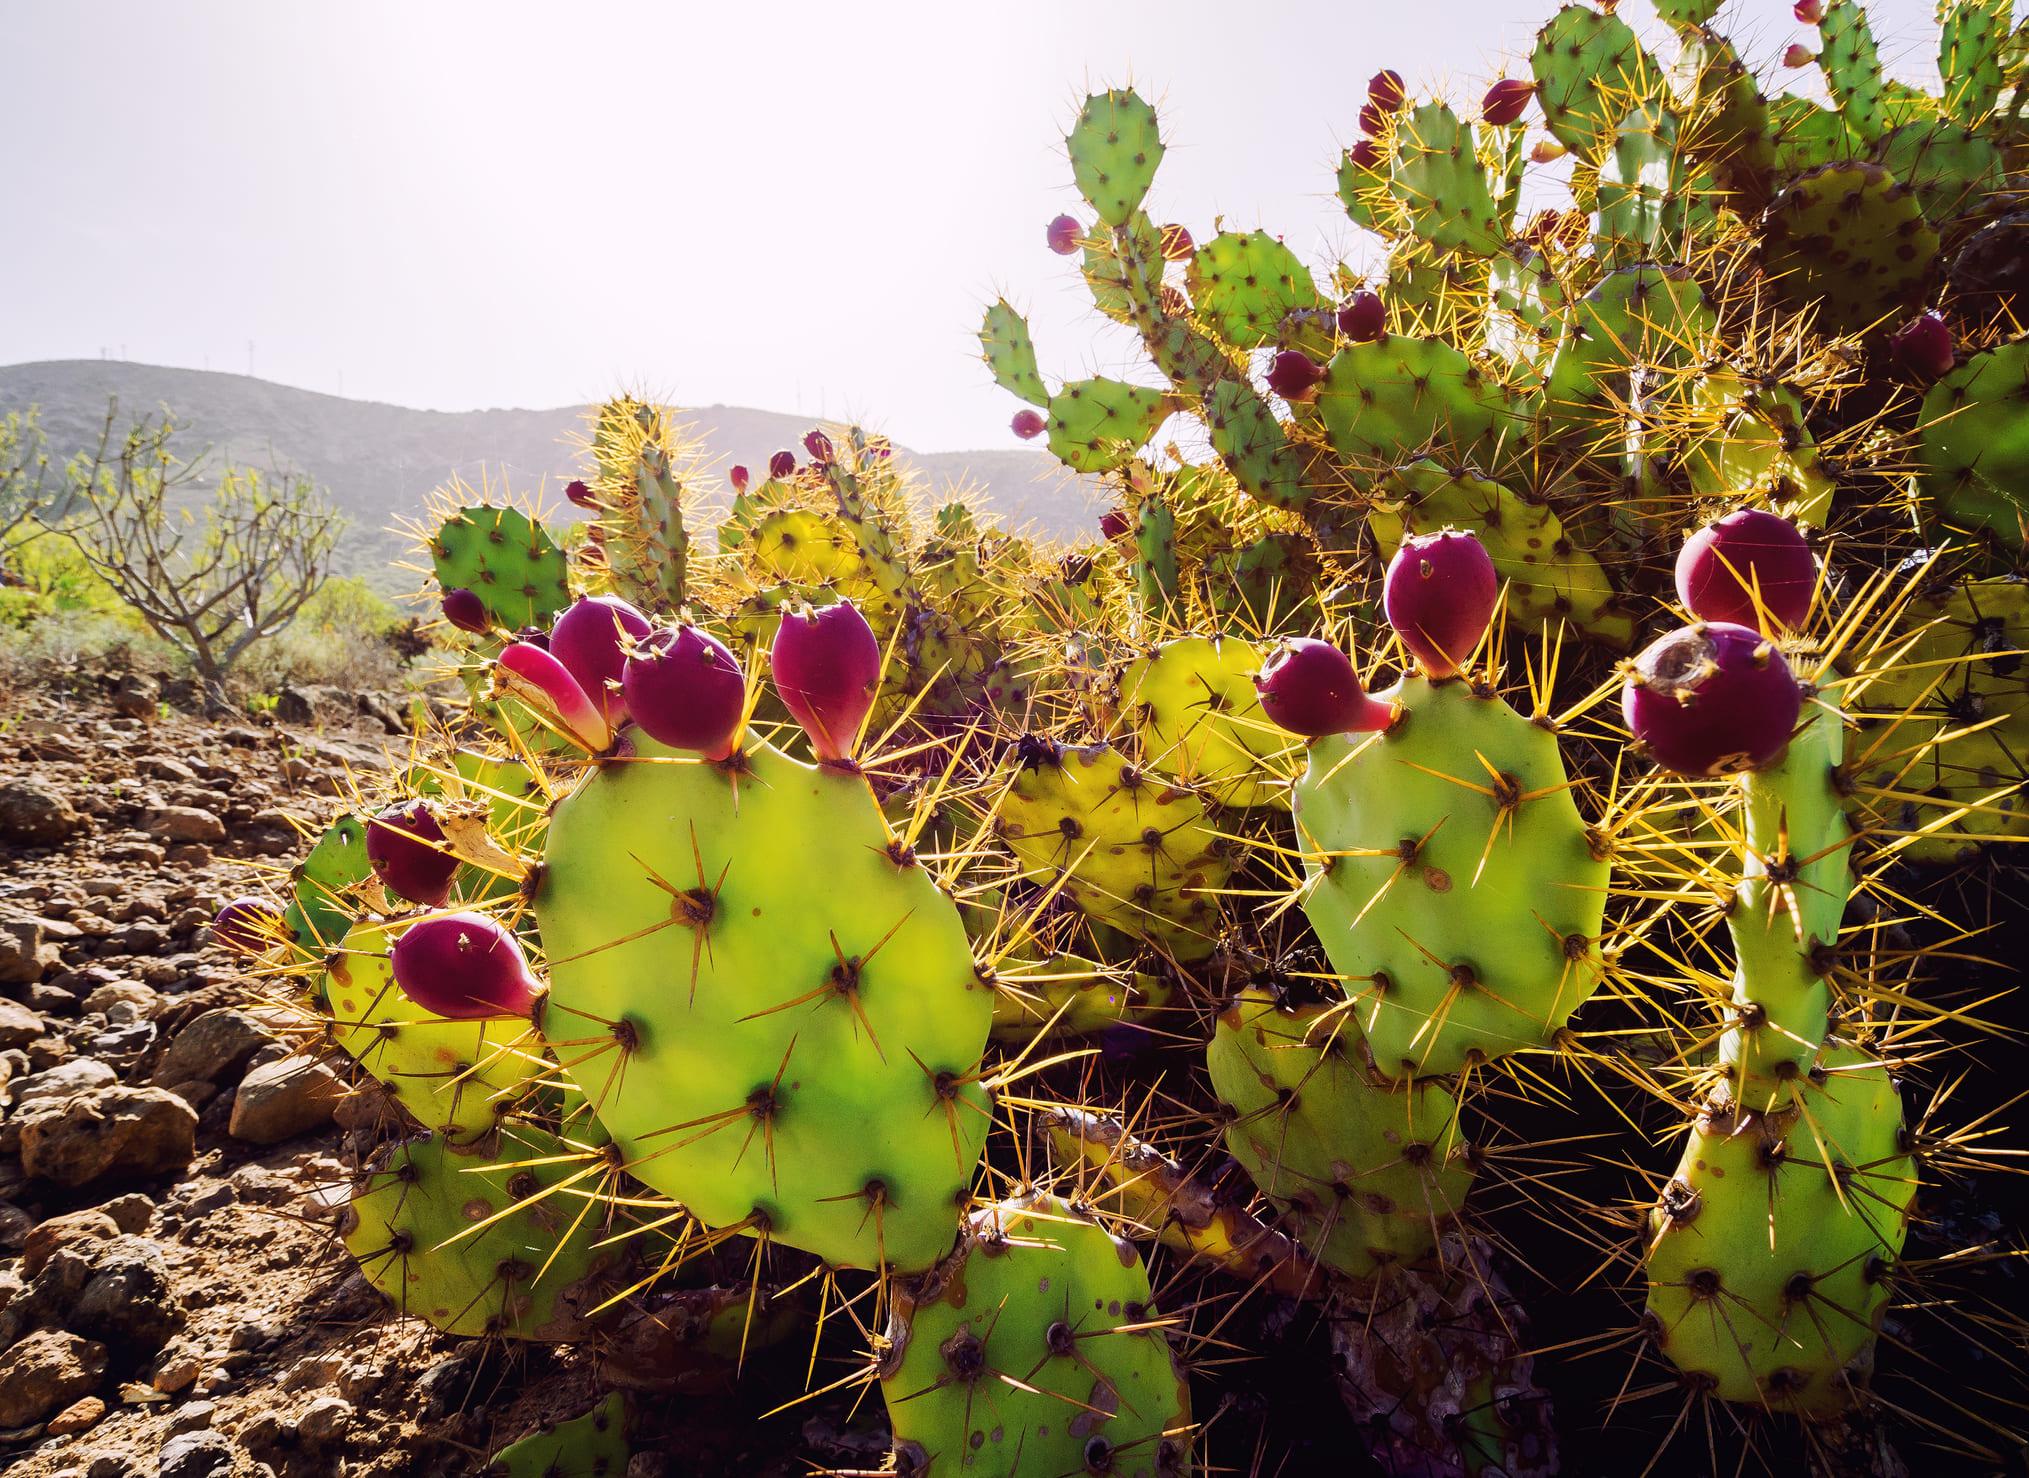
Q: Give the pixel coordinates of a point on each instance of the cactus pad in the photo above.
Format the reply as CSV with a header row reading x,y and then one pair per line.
x,y
505,558
1115,147
1849,240
1243,285
1011,353
1590,71
1196,716
1435,176
1394,396
1098,425
1975,448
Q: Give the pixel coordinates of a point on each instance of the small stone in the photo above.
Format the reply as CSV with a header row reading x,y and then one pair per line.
x,y
79,1416
65,1080
24,952
109,1465
194,1455
46,1372
36,816
193,1416
72,1229
325,1419
18,1025
129,1303
213,1048
132,1211
139,1131
183,824
137,695
282,1099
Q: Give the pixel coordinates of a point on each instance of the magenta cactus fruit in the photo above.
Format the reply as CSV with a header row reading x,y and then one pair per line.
x,y
465,610
685,689
591,639
827,666
1385,90
782,464
739,477
820,448
1925,345
579,493
1366,154
1294,375
1363,317
1309,687
1439,595
1711,699
1063,234
536,677
247,926
1808,12
405,847
1028,423
1725,566
1796,54
464,966
1176,242
1506,100
1115,524
1373,118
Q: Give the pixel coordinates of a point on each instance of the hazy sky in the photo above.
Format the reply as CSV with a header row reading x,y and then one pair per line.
x,y
800,207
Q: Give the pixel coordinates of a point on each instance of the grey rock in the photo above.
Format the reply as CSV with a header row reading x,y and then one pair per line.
x,y
214,1047
281,1099
129,1303
194,1455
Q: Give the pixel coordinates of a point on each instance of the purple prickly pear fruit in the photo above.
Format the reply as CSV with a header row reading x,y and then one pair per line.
x,y
1366,154
580,494
1925,345
1294,375
820,448
740,477
1711,699
1798,55
465,610
1385,90
686,690
1063,235
781,465
1373,118
1177,244
591,639
1309,687
405,847
1115,524
464,966
1439,596
1174,303
827,666
545,684
1028,423
1725,565
1506,100
247,926
879,448
1808,12
1363,317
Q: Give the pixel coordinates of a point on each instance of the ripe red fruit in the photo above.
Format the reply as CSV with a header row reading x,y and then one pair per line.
x,y
465,610
1373,118
1115,524
1309,687
1724,565
1385,90
247,926
686,690
1925,345
546,685
1364,316
1063,235
405,847
580,494
591,639
1439,595
1294,375
1506,100
781,465
1177,243
1028,423
827,667
464,966
1712,699
739,477
819,446
1366,154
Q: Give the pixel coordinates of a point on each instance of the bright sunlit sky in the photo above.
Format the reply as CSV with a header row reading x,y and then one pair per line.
x,y
798,207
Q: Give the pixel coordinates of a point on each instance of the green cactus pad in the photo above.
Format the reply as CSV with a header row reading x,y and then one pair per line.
x,y
1751,437
322,904
1767,1250
487,1240
1685,13
1361,187
1098,425
1590,71
1366,1172
1395,396
505,558
1269,585
768,1002
1030,1351
1970,46
1197,718
1638,318
1435,176
1134,851
1848,241
1243,285
1852,68
1117,264
1011,353
1643,205
1725,120
1549,578
1975,446
455,1078
1254,445
1951,169
1451,880
1115,147
1074,997
590,1446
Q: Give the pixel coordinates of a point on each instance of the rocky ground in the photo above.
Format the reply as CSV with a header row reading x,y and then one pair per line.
x,y
173,1151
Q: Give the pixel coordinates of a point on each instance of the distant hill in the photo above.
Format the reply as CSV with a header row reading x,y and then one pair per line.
x,y
381,461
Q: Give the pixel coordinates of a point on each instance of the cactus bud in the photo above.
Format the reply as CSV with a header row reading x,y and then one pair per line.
x,y
781,465
686,690
465,610
1366,154
1294,375
1028,423
1546,151
1711,699
1309,687
464,966
247,926
1385,90
1725,565
1798,55
739,477
1373,119
591,638
405,848
820,448
1925,345
579,493
546,685
1506,100
1439,595
1115,524
1176,243
1363,317
1808,12
827,667
1063,235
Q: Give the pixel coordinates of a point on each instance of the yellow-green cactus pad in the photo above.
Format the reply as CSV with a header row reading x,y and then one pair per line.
x,y
1590,70
1395,396
1975,447
1849,242
1197,718
1115,147
1098,425
1243,284
505,558
1011,353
